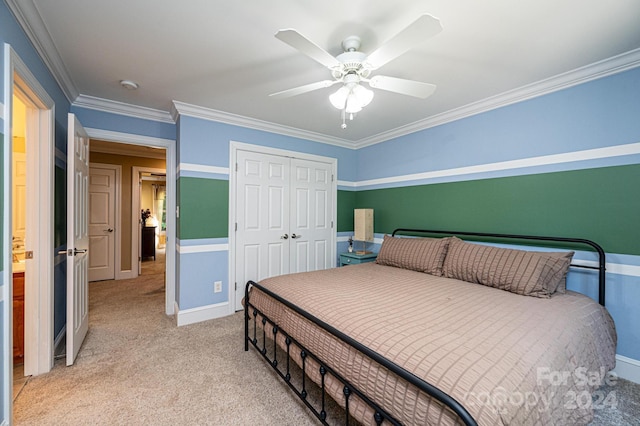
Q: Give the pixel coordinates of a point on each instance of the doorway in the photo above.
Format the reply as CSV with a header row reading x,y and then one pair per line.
x,y
18,236
140,151
29,195
152,192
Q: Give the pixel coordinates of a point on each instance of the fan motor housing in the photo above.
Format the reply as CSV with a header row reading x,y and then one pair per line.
x,y
351,62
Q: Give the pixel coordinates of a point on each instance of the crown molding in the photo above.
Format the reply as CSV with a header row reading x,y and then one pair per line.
x,y
116,107
28,16
604,68
181,108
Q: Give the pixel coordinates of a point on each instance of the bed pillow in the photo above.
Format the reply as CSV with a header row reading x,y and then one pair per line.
x,y
417,254
523,272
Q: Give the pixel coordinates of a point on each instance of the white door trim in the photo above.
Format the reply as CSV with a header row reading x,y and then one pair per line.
x,y
39,277
234,147
170,146
135,212
119,274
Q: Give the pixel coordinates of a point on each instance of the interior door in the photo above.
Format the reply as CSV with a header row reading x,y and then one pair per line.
x,y
311,208
262,200
77,237
102,217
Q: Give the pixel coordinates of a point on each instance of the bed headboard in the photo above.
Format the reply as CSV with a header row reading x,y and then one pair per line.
x,y
514,238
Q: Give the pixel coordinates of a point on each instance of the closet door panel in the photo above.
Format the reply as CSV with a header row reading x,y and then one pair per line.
x,y
262,204
311,186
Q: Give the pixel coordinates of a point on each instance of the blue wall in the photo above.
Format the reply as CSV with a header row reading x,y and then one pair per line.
x,y
599,114
592,126
207,143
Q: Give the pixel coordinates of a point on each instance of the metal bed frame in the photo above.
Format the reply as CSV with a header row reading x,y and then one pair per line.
x,y
380,415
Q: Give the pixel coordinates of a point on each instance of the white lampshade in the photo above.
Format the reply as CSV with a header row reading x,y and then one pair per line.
x,y
339,98
353,104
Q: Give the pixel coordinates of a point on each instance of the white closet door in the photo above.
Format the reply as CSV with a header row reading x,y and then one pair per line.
x,y
262,199
311,207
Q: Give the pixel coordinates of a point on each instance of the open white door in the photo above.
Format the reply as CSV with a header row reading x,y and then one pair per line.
x,y
77,237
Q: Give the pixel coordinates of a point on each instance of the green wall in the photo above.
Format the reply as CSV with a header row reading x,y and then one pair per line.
x,y
600,204
346,204
204,208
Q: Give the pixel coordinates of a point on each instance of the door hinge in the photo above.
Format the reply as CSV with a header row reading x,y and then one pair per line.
x,y
236,286
236,167
236,226
331,224
331,178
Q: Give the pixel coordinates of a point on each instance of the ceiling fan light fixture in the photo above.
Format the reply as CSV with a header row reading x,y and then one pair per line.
x,y
353,105
339,98
351,97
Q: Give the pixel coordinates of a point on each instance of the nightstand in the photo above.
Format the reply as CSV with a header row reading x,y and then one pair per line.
x,y
354,259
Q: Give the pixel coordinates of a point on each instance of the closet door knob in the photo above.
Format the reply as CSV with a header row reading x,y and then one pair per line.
x,y
285,237
294,236
108,230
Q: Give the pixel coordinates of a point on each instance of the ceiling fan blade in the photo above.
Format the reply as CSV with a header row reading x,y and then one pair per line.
x,y
296,40
416,89
304,89
421,29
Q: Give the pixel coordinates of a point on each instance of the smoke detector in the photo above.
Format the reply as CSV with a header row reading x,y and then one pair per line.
x,y
128,84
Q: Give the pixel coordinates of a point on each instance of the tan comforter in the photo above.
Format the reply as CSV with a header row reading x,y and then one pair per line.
x,y
507,358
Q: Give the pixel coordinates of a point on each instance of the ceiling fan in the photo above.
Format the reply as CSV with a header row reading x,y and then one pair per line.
x,y
353,67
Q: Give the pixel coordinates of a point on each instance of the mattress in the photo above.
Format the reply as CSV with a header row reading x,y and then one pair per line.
x,y
507,358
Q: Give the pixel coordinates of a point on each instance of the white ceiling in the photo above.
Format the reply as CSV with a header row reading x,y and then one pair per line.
x,y
223,55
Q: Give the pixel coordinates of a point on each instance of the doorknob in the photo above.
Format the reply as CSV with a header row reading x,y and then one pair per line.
x,y
294,236
73,252
285,236
108,230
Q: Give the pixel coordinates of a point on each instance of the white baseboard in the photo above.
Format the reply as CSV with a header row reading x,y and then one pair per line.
x,y
126,275
627,368
202,313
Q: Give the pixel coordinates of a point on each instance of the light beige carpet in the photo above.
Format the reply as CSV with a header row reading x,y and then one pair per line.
x,y
137,368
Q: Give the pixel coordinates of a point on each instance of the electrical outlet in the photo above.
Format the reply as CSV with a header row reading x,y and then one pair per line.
x,y
217,286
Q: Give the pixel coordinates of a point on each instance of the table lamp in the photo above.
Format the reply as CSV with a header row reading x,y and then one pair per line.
x,y
363,227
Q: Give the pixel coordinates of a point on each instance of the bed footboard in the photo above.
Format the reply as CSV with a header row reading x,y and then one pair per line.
x,y
251,313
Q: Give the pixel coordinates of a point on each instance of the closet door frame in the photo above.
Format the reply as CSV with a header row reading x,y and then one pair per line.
x,y
234,147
